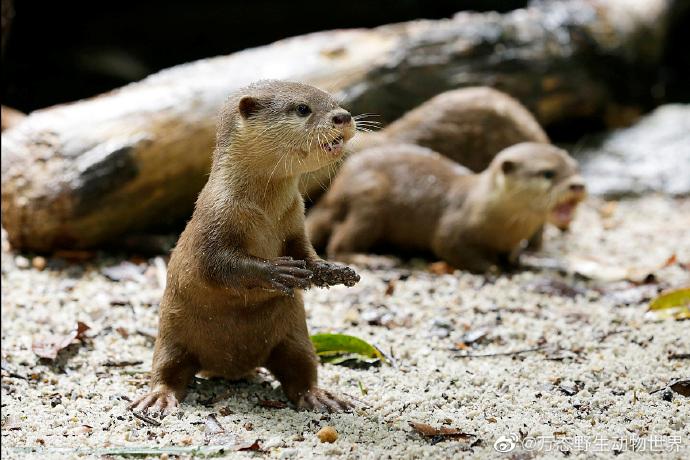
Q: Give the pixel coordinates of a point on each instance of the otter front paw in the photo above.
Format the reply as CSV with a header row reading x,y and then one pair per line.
x,y
160,402
328,274
325,401
285,274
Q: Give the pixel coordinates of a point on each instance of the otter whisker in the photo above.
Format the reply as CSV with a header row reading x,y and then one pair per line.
x,y
365,115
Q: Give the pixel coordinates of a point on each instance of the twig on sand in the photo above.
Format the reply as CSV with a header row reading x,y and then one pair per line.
x,y
503,353
679,356
146,419
134,451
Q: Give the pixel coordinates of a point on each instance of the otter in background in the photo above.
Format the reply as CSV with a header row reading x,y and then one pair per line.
x,y
468,125
415,199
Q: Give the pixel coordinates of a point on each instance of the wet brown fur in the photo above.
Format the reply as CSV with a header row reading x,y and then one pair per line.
x,y
468,125
232,300
416,199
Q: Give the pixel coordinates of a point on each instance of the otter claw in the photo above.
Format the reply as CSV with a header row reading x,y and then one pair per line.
x,y
327,274
157,403
325,401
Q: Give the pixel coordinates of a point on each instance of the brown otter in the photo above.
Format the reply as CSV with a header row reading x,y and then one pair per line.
x,y
416,199
232,300
468,125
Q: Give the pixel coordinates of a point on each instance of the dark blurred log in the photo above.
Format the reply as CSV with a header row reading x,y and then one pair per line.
x,y
82,174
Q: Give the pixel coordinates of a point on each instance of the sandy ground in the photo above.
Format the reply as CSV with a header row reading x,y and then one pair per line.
x,y
585,389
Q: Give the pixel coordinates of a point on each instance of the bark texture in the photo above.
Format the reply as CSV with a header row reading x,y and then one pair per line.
x,y
83,174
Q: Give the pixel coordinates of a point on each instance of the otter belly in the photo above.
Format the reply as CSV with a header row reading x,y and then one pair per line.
x,y
233,339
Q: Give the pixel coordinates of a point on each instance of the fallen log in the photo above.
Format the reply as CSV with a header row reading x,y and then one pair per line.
x,y
83,174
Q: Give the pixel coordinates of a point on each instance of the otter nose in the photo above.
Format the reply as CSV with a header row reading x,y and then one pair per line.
x,y
341,118
577,188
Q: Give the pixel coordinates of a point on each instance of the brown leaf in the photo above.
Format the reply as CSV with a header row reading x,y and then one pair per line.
x,y
273,404
682,387
390,288
441,268
49,347
670,261
440,434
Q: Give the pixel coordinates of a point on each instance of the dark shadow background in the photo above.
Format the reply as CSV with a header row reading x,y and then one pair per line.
x,y
60,51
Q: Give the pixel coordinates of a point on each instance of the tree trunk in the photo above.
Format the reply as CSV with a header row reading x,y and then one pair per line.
x,y
83,174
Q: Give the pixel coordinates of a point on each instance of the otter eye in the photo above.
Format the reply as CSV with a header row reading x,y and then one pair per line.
x,y
303,110
548,174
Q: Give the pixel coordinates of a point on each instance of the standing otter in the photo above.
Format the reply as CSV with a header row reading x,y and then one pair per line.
x,y
414,198
232,300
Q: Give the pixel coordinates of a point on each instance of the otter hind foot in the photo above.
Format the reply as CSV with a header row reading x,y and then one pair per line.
x,y
161,401
320,400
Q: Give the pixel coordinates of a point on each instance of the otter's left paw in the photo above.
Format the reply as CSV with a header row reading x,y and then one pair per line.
x,y
327,274
322,400
159,402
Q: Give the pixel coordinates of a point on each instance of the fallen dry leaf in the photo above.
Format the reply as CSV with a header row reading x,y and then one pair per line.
x,y
390,288
272,403
441,268
682,387
440,434
670,261
49,347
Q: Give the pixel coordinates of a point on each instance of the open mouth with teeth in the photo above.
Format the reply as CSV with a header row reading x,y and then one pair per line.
x,y
564,212
334,147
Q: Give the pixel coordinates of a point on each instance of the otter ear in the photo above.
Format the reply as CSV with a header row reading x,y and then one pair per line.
x,y
249,106
508,166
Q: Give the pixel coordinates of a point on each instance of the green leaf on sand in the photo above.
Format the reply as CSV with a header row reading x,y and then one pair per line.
x,y
672,304
346,349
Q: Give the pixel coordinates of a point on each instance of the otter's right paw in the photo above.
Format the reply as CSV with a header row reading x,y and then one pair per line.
x,y
328,274
158,402
286,274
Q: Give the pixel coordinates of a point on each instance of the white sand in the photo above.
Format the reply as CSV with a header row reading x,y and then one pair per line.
x,y
425,316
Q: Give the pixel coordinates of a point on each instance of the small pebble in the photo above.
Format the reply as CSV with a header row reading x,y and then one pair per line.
x,y
39,263
327,434
21,262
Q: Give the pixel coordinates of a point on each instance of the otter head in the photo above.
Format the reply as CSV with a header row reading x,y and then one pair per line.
x,y
284,128
541,178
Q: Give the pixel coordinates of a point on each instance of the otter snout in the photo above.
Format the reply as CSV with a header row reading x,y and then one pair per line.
x,y
341,117
577,187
